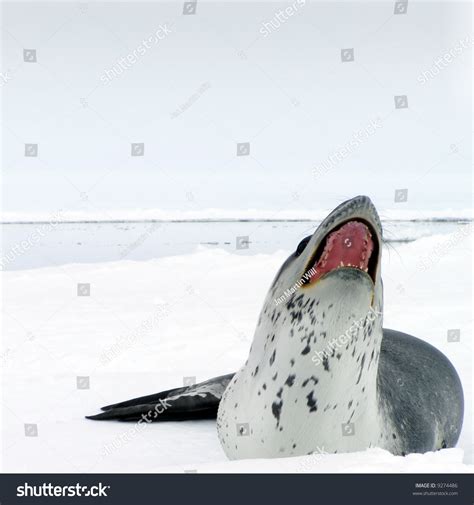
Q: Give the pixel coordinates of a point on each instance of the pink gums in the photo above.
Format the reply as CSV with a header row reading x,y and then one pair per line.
x,y
349,246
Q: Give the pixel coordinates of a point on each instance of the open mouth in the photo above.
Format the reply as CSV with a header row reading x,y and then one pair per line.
x,y
351,245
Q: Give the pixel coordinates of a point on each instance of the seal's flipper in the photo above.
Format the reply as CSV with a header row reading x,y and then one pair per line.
x,y
142,400
179,408
199,401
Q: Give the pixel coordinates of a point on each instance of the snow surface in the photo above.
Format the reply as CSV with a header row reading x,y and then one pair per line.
x,y
147,325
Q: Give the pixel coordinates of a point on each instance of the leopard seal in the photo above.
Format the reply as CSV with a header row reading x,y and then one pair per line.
x,y
322,373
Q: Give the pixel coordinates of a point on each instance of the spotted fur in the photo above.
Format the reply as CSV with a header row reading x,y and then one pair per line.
x,y
332,402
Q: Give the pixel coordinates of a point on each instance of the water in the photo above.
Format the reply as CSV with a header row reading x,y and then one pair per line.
x,y
33,245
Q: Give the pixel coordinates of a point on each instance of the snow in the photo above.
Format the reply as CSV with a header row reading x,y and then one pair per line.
x,y
146,325
369,461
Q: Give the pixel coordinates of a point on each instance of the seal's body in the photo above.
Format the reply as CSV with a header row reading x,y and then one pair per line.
x,y
407,418
322,374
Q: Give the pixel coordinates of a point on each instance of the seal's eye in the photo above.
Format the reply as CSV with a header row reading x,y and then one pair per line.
x,y
301,246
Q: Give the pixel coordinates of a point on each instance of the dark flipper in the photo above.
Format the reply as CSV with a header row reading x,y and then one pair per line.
x,y
199,401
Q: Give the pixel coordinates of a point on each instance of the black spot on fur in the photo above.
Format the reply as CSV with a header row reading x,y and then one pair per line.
x,y
296,316
362,361
290,380
312,378
276,410
306,350
326,363
272,357
312,403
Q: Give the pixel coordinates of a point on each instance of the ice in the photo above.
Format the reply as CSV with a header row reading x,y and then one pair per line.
x,y
189,316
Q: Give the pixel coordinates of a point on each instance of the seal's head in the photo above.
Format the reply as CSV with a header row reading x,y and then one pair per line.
x,y
345,246
313,362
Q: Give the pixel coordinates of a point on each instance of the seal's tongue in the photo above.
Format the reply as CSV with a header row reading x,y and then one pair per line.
x,y
349,246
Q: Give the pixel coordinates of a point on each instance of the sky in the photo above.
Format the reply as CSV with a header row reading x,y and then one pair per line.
x,y
272,106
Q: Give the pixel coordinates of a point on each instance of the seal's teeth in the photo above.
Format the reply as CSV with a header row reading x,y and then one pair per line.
x,y
366,269
341,264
